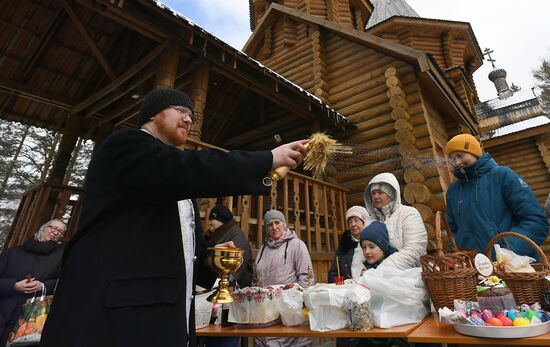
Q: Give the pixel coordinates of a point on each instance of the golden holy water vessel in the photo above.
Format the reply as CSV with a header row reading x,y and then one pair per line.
x,y
226,260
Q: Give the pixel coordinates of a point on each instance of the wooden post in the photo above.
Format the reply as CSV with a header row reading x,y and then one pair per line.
x,y
199,91
101,134
71,132
168,67
320,86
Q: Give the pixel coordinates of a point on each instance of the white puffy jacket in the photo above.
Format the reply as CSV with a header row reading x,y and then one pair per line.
x,y
406,230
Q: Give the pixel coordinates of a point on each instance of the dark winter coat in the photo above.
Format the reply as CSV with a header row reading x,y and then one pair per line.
x,y
40,260
230,231
488,199
344,252
123,281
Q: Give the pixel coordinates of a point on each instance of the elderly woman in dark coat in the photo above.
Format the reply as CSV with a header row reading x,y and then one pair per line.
x,y
355,217
26,270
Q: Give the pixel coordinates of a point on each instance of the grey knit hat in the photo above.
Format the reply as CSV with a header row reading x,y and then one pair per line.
x,y
385,187
273,214
159,100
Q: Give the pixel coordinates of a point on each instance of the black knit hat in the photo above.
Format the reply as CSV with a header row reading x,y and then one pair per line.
x,y
160,99
378,233
221,213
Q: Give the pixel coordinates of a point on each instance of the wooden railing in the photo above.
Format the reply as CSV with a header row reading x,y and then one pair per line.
x,y
314,209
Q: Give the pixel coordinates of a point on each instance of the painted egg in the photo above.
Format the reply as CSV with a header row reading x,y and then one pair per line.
x,y
544,316
477,321
511,314
507,322
523,314
535,320
536,306
500,315
531,314
494,322
486,314
521,322
525,308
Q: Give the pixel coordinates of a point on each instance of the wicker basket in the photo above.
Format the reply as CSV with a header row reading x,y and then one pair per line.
x,y
448,275
527,287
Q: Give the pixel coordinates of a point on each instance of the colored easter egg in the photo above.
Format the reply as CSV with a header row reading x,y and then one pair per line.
x,y
535,320
536,307
511,314
477,321
531,314
507,322
525,308
486,314
544,316
500,314
523,314
494,322
521,322
475,313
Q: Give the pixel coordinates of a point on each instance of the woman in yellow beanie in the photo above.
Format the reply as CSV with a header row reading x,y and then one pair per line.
x,y
488,198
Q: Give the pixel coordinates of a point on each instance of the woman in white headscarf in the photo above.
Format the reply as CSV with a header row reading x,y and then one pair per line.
x,y
405,227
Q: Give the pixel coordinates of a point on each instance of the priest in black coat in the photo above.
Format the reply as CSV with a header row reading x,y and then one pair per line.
x,y
127,274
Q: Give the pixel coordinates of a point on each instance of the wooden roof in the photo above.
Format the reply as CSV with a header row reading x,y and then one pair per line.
x,y
96,59
430,76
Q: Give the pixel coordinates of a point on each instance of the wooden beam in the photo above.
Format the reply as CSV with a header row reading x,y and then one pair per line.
x,y
124,91
264,91
124,18
43,44
35,94
258,133
91,43
120,80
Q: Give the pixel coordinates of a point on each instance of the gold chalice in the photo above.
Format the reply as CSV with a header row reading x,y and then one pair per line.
x,y
226,260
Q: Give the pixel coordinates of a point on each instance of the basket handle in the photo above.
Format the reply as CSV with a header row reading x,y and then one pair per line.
x,y
501,235
439,219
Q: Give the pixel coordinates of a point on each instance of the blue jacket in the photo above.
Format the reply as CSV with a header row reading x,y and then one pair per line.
x,y
488,199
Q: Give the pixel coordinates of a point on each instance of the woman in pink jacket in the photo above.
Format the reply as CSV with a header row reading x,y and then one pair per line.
x,y
282,259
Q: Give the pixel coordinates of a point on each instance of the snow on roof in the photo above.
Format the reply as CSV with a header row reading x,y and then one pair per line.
x,y
384,9
517,100
338,117
517,127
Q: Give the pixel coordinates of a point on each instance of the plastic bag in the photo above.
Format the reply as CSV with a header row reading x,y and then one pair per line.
x,y
513,262
357,304
28,327
290,306
326,306
398,297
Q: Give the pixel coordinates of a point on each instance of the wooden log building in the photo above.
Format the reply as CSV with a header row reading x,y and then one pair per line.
x,y
396,91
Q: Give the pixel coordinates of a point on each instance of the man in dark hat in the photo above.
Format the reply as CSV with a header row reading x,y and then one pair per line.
x,y
129,272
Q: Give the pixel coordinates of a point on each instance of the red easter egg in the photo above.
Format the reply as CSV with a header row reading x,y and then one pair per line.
x,y
494,322
507,322
499,315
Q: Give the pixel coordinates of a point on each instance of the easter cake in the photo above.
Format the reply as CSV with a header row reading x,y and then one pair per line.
x,y
493,295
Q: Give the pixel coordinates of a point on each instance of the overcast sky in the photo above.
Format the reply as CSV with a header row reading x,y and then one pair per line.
x,y
517,31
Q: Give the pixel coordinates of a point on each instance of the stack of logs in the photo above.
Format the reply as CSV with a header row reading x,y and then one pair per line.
x,y
415,192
